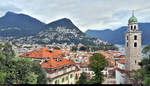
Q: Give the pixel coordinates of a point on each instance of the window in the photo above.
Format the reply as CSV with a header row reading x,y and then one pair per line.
x,y
71,76
27,54
127,44
135,44
55,81
65,70
46,60
86,69
66,77
62,79
131,27
135,37
134,27
135,61
58,59
56,70
127,37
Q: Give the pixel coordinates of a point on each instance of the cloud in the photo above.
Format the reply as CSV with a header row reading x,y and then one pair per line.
x,y
8,6
86,14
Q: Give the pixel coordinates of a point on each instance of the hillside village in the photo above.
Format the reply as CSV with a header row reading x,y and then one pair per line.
x,y
63,66
73,42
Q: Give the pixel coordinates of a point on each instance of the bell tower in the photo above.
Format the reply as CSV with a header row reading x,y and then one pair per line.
x,y
132,45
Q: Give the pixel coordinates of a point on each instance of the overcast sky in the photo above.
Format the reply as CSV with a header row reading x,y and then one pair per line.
x,y
85,14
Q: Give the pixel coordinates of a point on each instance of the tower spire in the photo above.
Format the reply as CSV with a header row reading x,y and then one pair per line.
x,y
132,12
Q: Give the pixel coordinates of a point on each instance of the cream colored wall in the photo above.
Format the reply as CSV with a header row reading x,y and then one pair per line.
x,y
133,54
69,81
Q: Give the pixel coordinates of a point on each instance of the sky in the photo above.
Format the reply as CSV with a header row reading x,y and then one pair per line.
x,y
85,14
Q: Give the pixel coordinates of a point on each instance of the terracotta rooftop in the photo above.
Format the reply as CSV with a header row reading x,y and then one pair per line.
x,y
55,57
105,54
122,71
121,61
41,53
121,56
53,63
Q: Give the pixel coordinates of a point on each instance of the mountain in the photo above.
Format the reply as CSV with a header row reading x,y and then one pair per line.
x,y
60,31
12,24
118,36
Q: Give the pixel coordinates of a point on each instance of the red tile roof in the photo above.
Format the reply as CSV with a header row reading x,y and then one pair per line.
x,y
42,53
52,63
52,56
122,61
122,71
121,56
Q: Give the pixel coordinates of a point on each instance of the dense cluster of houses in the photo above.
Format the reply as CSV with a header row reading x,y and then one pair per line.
x,y
65,66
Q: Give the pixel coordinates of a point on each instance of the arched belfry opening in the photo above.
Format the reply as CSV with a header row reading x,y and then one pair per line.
x,y
134,27
131,27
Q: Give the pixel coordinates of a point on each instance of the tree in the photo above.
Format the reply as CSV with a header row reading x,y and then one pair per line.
x,y
25,71
36,68
30,78
142,76
97,64
83,48
146,49
137,76
2,77
57,48
82,79
74,48
7,50
147,81
19,70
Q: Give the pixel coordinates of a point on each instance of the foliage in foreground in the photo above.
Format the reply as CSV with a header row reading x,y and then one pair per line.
x,y
82,79
142,75
18,70
97,64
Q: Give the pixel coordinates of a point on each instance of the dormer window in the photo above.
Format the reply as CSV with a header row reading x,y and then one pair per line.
x,y
58,59
46,59
50,51
56,70
70,65
27,54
